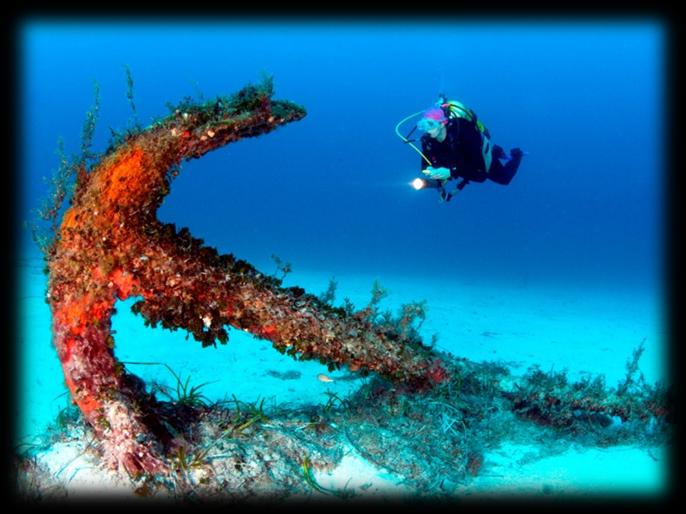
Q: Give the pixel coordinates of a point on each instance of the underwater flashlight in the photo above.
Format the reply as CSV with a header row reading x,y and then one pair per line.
x,y
426,183
418,184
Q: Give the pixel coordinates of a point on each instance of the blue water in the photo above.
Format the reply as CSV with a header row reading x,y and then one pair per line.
x,y
331,193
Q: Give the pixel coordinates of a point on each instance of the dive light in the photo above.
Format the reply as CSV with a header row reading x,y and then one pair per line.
x,y
426,183
418,184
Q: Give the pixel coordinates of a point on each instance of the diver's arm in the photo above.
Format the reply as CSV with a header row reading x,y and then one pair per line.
x,y
426,150
455,134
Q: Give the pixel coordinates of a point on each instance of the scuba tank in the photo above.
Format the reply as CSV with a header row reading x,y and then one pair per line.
x,y
454,109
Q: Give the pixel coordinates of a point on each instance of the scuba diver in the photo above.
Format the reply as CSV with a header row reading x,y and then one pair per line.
x,y
456,145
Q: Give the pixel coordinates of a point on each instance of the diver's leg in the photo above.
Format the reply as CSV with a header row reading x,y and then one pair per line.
x,y
503,173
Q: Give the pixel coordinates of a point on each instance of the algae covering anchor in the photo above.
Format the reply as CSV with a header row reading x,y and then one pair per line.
x,y
110,246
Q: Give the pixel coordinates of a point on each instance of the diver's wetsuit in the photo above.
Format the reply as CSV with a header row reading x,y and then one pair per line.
x,y
460,152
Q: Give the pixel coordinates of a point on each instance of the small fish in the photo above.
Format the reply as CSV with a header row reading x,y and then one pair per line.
x,y
324,378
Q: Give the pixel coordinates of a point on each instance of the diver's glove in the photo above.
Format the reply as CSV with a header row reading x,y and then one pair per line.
x,y
437,173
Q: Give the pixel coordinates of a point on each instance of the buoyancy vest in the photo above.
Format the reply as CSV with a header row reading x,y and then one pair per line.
x,y
455,109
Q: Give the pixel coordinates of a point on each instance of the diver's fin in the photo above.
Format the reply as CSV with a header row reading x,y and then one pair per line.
x,y
518,152
499,153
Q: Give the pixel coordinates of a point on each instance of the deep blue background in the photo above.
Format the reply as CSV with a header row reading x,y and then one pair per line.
x,y
331,192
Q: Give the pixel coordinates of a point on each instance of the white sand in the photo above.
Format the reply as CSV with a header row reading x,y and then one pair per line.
x,y
581,329
79,473
577,472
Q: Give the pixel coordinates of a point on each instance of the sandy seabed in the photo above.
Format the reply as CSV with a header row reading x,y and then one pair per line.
x,y
586,331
